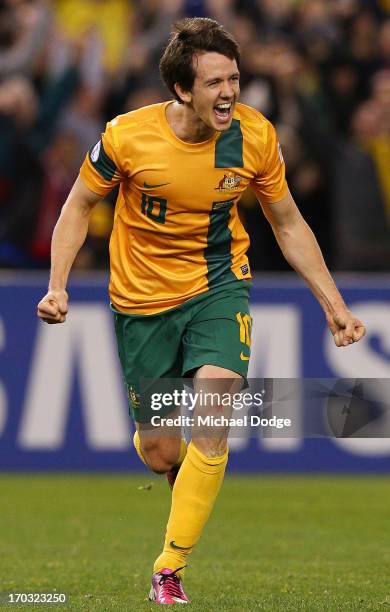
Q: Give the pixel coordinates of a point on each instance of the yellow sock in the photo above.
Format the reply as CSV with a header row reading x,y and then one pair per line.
x,y
193,496
137,446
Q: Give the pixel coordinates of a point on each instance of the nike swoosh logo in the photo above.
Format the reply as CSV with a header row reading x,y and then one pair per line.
x,y
179,547
147,186
244,357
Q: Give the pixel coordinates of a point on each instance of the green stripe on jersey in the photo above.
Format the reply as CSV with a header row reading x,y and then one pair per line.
x,y
219,238
229,147
101,162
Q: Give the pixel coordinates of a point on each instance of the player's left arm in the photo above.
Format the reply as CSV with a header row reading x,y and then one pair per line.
x,y
301,250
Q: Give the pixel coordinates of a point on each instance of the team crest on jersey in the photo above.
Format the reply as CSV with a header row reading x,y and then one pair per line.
x,y
229,182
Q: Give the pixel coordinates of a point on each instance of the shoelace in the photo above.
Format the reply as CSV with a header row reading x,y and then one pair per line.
x,y
171,583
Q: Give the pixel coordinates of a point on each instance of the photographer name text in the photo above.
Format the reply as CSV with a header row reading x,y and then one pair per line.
x,y
220,421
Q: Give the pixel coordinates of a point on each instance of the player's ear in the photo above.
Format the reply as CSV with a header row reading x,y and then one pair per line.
x,y
185,96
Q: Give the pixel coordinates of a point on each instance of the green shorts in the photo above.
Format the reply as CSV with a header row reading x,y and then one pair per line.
x,y
212,328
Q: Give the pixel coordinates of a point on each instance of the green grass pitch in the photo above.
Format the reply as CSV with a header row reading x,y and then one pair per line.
x,y
273,543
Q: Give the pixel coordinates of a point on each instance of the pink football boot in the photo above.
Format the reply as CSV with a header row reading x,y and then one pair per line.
x,y
167,588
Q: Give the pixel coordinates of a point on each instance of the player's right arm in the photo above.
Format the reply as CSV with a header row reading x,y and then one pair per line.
x,y
69,235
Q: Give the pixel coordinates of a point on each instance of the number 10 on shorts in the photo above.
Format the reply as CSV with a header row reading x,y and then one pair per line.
x,y
245,323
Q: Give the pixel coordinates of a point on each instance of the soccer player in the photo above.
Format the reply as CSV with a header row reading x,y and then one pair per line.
x,y
179,270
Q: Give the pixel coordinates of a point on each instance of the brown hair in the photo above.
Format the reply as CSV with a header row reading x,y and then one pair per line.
x,y
188,37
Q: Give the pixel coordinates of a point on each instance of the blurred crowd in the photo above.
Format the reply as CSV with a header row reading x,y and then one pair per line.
x,y
318,69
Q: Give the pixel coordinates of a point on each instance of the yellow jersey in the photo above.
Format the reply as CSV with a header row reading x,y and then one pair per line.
x,y
176,230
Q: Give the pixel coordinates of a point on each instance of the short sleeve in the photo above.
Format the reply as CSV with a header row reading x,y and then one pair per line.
x,y
101,169
270,183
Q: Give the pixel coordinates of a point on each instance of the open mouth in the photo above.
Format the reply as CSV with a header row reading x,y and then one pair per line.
x,y
222,111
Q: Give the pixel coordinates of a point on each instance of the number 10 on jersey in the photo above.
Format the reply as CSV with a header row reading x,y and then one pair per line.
x,y
149,205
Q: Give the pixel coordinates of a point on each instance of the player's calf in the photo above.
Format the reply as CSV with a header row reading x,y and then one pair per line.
x,y
161,454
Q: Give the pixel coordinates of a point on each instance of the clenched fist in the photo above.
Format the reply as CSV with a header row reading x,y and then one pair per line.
x,y
345,327
53,307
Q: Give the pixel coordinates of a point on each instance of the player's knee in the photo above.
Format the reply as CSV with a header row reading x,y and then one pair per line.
x,y
159,464
211,447
160,455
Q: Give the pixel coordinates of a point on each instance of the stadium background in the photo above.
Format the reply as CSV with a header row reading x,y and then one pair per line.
x,y
320,70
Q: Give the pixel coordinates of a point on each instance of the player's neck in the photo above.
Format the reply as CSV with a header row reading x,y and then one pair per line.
x,y
186,124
